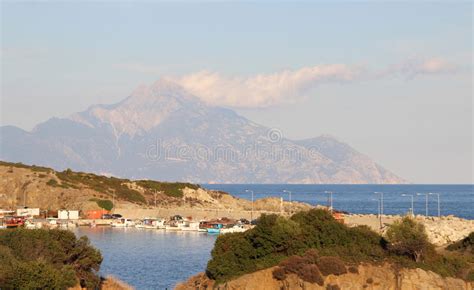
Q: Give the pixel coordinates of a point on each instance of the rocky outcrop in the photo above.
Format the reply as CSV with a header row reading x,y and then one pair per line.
x,y
441,231
368,277
446,230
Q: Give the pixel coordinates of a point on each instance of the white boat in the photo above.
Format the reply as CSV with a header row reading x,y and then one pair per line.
x,y
123,223
190,226
176,225
235,229
151,223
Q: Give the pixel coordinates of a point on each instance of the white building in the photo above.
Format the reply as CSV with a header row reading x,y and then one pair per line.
x,y
28,212
68,214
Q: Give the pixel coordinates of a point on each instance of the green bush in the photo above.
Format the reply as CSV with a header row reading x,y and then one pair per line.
x,y
408,237
466,244
52,182
173,189
103,203
47,259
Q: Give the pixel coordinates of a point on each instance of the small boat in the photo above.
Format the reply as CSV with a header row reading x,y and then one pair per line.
x,y
214,229
238,228
123,223
190,226
151,223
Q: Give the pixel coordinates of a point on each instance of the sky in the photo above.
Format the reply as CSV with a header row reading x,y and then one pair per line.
x,y
392,79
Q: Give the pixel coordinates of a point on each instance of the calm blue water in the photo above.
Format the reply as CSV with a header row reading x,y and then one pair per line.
x,y
150,259
156,259
457,200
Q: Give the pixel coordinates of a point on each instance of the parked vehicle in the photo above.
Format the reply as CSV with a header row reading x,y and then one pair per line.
x,y
107,216
116,216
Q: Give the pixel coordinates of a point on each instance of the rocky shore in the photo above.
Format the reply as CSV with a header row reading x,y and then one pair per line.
x,y
441,230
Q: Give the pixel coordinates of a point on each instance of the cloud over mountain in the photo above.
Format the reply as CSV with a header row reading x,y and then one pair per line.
x,y
263,90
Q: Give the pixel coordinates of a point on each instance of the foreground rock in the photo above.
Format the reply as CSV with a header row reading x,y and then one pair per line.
x,y
368,277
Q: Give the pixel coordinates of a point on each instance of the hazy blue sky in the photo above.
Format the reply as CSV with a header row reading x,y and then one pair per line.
x,y
394,80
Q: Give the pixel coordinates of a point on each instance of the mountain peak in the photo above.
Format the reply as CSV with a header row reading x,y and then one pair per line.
x,y
144,109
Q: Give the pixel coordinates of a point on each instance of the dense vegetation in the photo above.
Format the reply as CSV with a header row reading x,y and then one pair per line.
x,y
275,238
103,203
173,189
47,259
119,187
464,245
31,167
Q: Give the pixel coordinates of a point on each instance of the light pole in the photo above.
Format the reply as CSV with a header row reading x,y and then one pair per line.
x,y
412,208
289,193
381,207
426,202
251,212
329,200
439,207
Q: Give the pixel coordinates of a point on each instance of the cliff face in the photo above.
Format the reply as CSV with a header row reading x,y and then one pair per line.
x,y
369,277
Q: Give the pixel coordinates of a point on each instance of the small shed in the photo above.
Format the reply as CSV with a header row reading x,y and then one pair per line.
x,y
68,214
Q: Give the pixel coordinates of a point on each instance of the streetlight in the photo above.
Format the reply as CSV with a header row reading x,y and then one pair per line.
x,y
412,208
289,193
426,202
381,207
251,212
329,200
439,208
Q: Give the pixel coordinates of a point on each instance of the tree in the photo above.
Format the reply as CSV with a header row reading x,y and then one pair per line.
x,y
408,237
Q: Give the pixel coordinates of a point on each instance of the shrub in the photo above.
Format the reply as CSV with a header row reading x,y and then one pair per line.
x,y
333,287
173,189
52,259
303,267
103,203
466,244
331,265
310,273
279,273
470,276
52,182
353,269
408,237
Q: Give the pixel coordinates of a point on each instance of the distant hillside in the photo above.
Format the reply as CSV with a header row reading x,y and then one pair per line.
x,y
37,186
163,132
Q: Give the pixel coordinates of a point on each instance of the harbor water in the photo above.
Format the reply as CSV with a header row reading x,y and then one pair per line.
x,y
158,259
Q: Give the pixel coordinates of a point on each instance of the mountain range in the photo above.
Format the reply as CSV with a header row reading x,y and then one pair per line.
x,y
163,132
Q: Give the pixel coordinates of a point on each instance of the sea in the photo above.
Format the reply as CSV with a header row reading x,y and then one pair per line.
x,y
156,259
